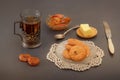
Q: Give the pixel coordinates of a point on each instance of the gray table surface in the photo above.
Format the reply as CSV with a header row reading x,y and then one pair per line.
x,y
92,12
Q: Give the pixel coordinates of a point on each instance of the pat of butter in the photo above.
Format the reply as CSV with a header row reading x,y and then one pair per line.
x,y
85,29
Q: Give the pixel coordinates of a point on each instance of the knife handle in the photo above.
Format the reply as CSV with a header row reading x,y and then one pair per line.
x,y
111,46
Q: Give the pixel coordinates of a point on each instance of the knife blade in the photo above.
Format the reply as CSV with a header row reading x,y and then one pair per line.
x,y
109,37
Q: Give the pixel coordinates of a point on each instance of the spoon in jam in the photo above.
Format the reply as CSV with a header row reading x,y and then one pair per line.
x,y
61,36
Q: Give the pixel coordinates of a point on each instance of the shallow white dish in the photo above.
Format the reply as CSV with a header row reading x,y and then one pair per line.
x,y
94,59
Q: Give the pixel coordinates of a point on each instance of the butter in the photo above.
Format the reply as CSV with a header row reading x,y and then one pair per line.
x,y
85,29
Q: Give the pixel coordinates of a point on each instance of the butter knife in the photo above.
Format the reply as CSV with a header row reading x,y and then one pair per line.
x,y
109,36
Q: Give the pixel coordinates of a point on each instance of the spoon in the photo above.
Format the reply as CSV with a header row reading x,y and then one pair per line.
x,y
61,36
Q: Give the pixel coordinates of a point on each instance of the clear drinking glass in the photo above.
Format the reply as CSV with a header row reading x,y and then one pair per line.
x,y
30,25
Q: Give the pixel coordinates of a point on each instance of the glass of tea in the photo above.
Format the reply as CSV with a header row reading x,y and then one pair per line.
x,y
30,25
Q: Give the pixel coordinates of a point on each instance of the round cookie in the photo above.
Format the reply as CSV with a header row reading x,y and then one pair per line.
x,y
33,61
24,57
77,53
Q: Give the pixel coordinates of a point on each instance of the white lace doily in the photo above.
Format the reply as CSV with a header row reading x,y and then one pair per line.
x,y
94,59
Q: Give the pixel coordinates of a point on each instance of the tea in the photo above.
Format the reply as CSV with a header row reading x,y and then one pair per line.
x,y
31,30
31,25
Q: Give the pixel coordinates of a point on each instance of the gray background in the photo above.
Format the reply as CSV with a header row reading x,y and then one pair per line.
x,y
80,11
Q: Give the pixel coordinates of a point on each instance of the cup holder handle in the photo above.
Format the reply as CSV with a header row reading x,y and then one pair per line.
x,y
17,22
